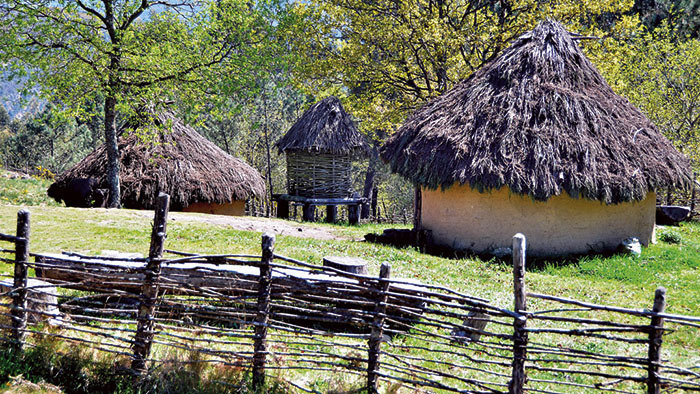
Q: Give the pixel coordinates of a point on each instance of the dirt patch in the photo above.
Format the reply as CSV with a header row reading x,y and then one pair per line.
x,y
248,223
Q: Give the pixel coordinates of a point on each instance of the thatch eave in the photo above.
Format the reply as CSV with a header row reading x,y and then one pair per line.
x,y
324,128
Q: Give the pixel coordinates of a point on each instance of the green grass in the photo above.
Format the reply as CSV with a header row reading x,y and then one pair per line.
x,y
30,191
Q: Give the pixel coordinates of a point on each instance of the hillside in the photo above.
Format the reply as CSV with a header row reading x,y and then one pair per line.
x,y
11,98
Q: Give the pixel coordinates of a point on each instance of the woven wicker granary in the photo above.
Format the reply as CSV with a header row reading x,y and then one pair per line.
x,y
320,148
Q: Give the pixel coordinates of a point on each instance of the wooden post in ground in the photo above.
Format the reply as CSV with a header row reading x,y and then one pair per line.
x,y
263,314
517,382
375,338
309,212
283,209
149,289
655,340
375,193
354,214
19,292
692,196
331,213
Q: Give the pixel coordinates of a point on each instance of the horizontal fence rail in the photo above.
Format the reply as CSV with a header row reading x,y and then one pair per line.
x,y
283,319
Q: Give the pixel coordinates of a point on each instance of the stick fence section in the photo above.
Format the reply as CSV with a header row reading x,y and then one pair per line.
x,y
279,318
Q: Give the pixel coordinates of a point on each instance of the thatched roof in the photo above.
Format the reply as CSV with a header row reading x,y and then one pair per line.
x,y
541,120
180,162
325,128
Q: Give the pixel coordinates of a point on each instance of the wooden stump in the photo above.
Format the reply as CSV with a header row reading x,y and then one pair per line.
x,y
42,299
309,213
475,322
331,213
352,265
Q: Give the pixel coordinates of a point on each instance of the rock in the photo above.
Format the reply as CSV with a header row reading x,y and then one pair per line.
x,y
474,321
42,299
631,246
501,252
671,214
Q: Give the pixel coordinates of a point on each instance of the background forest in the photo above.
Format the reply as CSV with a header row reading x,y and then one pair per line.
x,y
242,73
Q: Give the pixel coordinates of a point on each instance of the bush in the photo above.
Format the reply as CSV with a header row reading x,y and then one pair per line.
x,y
670,237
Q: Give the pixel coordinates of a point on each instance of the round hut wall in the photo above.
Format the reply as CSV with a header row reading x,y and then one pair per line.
x,y
319,175
465,219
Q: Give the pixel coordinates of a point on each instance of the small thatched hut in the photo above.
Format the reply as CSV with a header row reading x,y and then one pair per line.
x,y
536,142
320,148
198,175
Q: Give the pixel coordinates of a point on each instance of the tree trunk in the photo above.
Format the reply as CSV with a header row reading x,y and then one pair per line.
x,y
112,151
369,182
269,160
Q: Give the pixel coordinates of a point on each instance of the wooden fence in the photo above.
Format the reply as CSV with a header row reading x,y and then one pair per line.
x,y
302,323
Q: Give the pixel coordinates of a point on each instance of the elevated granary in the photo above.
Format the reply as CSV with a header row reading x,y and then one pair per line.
x,y
198,175
536,142
320,148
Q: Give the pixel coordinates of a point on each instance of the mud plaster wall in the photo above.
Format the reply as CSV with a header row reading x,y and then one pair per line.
x,y
465,219
234,208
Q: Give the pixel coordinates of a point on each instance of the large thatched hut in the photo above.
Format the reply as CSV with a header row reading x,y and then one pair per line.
x,y
536,142
198,175
319,149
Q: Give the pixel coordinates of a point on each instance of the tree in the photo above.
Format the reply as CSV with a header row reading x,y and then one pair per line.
x,y
682,15
4,118
659,71
132,52
48,140
393,56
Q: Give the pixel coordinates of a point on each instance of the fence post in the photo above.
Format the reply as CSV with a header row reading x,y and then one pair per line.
x,y
19,291
149,289
655,340
517,382
263,315
375,338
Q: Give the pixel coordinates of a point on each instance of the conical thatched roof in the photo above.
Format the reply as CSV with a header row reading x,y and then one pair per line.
x,y
541,120
325,128
180,162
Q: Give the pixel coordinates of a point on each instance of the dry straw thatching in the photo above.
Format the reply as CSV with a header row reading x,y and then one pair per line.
x,y
326,128
541,120
179,162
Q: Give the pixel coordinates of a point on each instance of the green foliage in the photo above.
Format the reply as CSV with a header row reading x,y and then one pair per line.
x,y
30,191
138,52
4,118
683,15
391,57
659,71
74,371
47,140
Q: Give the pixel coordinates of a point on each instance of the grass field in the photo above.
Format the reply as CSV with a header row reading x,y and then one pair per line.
x,y
674,262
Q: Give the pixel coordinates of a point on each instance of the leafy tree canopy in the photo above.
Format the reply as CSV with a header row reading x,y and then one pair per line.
x,y
390,56
134,52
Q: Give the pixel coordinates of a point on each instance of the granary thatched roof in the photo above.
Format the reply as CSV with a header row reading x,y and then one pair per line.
x,y
541,120
180,162
326,128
